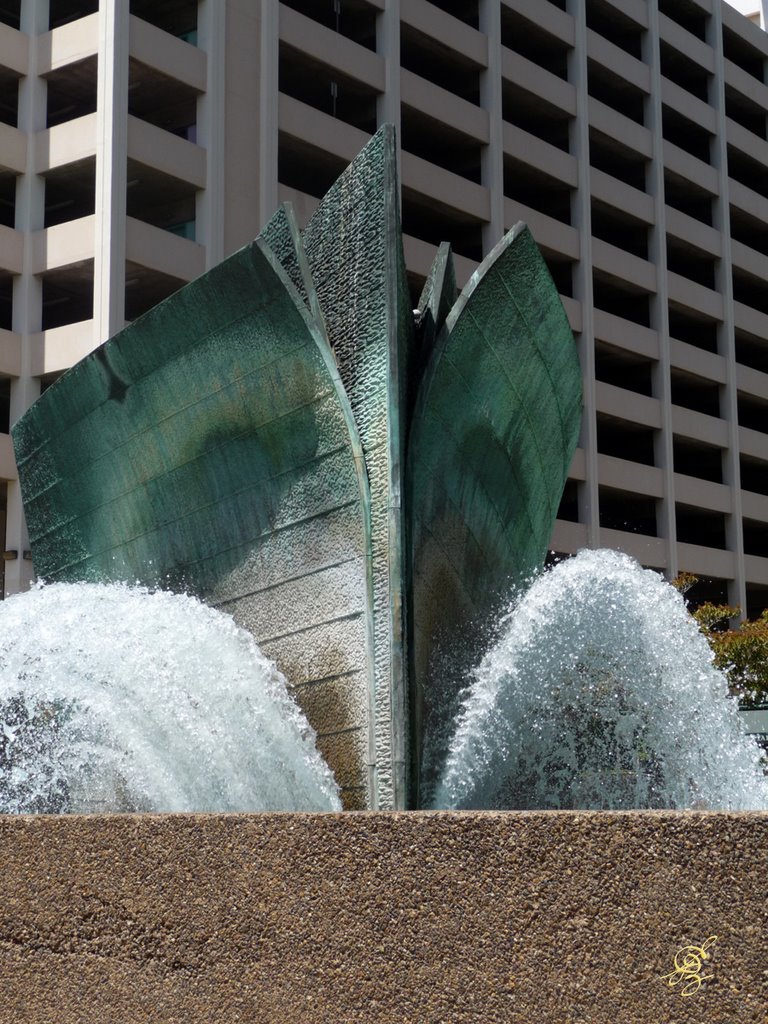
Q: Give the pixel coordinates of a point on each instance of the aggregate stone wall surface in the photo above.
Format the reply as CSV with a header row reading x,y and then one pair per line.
x,y
558,918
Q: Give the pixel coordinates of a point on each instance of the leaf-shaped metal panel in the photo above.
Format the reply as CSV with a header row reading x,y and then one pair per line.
x,y
210,447
494,430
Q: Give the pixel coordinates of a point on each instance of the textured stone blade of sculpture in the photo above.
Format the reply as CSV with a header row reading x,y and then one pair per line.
x,y
245,441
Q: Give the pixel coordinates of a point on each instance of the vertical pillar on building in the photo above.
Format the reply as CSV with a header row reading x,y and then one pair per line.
x,y
111,170
267,85
657,254
27,287
589,506
726,341
388,47
209,211
491,101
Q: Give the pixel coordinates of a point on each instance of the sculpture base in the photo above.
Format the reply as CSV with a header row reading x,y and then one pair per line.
x,y
425,917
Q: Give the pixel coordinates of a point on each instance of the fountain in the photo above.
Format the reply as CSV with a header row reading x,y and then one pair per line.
x,y
178,711
600,693
361,493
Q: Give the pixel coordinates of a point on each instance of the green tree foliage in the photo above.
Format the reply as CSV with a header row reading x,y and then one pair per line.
x,y
741,653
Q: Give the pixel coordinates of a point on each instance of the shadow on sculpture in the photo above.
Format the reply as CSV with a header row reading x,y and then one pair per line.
x,y
357,485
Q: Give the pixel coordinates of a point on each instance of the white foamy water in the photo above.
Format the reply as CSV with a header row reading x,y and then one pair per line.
x,y
116,699
600,693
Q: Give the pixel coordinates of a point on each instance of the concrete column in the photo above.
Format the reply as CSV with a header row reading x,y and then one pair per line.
x,y
27,288
269,54
388,46
726,341
491,100
657,253
589,507
209,214
111,170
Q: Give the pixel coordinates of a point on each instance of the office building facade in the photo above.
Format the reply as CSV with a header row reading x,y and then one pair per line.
x,y
141,141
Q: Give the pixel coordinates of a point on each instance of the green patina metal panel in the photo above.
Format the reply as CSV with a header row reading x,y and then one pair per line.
x,y
210,447
354,247
435,303
493,434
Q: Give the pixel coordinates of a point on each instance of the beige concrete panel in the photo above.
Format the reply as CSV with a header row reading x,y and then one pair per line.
x,y
627,405
695,360
625,334
756,569
706,561
568,537
66,143
13,149
621,196
10,353
625,266
165,152
546,16
690,167
699,427
694,296
616,126
541,155
746,84
630,476
303,205
63,244
68,44
444,106
696,49
524,73
327,134
737,23
11,249
419,256
447,30
57,349
331,48
746,199
618,61
693,232
753,442
750,320
691,490
173,57
7,461
750,260
162,251
754,506
578,467
689,106
752,381
743,139
444,188
574,312
14,49
636,10
649,551
552,235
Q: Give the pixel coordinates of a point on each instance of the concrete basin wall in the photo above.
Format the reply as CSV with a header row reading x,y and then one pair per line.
x,y
559,918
